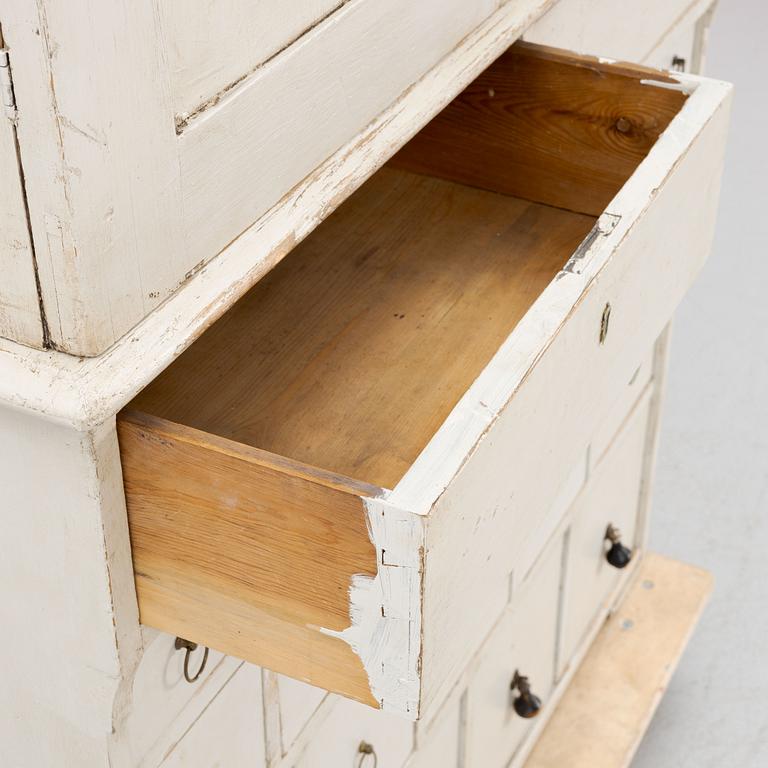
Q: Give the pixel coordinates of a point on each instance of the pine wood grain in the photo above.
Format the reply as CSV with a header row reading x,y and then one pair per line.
x,y
351,352
248,555
556,128
603,715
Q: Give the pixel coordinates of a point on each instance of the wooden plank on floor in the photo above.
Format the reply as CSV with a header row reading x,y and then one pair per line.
x,y
610,702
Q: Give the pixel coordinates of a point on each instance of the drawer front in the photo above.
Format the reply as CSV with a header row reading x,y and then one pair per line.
x,y
442,744
337,740
610,497
231,730
525,640
298,702
163,704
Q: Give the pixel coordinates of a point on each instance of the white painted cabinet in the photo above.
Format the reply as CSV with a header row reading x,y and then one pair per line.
x,y
524,642
386,472
230,732
192,126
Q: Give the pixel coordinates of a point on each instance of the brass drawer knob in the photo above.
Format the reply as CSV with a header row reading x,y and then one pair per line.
x,y
618,555
526,704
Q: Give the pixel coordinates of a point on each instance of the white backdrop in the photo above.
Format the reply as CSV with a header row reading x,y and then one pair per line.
x,y
711,499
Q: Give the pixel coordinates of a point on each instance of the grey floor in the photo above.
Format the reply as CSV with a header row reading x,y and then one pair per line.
x,y
711,499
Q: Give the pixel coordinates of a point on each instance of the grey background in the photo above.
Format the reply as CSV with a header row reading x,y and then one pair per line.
x,y
711,500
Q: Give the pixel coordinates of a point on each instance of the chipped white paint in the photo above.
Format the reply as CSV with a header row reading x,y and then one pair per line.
x,y
385,610
686,87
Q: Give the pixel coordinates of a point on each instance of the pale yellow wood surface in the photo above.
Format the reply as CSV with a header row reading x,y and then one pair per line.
x,y
352,352
245,553
607,708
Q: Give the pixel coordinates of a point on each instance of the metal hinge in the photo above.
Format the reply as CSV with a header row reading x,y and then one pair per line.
x,y
7,95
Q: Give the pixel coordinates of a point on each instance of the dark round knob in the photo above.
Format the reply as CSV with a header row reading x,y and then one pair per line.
x,y
617,555
526,704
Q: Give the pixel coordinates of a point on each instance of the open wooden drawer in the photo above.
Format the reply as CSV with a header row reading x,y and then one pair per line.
x,y
335,481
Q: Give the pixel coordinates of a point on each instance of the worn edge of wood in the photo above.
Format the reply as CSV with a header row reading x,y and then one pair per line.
x,y
384,629
663,605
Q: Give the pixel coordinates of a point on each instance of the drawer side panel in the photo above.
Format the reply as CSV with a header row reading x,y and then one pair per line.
x,y
479,522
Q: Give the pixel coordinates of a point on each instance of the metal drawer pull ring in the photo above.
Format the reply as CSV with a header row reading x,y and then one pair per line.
x,y
189,647
364,750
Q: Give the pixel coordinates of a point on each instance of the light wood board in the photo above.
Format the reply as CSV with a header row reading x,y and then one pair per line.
x,y
351,353
547,126
607,708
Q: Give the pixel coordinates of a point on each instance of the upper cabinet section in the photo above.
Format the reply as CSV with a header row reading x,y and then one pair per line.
x,y
154,134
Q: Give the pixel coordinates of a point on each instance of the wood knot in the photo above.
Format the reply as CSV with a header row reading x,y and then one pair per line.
x,y
623,125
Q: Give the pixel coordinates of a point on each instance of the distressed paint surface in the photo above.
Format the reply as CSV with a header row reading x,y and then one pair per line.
x,y
81,392
385,610
67,595
20,317
250,33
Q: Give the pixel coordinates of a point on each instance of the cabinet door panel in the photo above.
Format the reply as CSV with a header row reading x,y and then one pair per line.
x,y
610,497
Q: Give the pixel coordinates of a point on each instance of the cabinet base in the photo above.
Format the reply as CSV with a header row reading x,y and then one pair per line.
x,y
609,704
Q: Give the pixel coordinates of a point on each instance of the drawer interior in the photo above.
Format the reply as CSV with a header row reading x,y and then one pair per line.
x,y
353,350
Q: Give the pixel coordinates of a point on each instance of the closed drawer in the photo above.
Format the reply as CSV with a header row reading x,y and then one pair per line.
x,y
386,739
605,28
297,703
230,732
525,641
441,744
163,704
324,482
611,497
